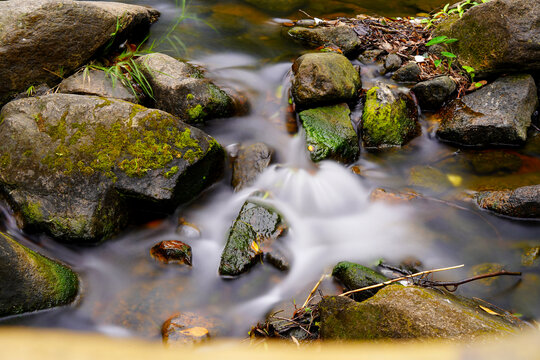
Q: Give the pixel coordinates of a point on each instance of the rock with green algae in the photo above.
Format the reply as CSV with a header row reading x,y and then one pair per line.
x,y
324,78
31,281
429,177
342,36
388,120
253,236
330,134
41,40
410,312
497,36
355,276
181,89
71,165
523,202
277,6
499,113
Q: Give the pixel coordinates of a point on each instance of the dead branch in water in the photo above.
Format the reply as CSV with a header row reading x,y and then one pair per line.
x,y
453,285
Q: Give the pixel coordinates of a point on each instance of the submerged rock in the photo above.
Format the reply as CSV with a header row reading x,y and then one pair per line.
x,y
388,120
330,134
354,276
406,312
70,163
172,251
256,226
408,73
277,6
249,162
432,94
488,162
392,196
189,328
499,113
96,82
324,78
41,38
523,202
497,36
31,281
429,177
181,89
341,36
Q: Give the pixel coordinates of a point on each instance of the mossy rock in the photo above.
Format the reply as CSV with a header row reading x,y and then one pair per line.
x,y
324,78
497,36
407,312
355,276
256,225
182,90
342,36
31,281
428,177
75,30
330,134
72,164
388,120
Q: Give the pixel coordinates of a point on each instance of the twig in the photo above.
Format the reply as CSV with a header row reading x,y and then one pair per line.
x,y
454,284
313,291
400,279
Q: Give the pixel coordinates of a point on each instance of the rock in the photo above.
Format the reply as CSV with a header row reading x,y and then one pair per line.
x,y
172,251
256,225
354,276
189,328
324,78
341,36
70,163
429,177
388,120
432,94
497,36
181,89
277,6
498,113
523,202
96,82
391,196
408,73
31,281
391,63
371,56
530,256
249,162
42,37
42,89
405,312
494,162
330,134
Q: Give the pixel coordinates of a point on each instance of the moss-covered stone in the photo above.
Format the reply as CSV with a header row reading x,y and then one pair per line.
x,y
405,312
31,281
354,276
388,120
342,36
90,156
330,134
256,225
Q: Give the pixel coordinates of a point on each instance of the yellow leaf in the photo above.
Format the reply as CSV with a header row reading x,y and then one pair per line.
x,y
310,148
489,311
255,247
195,332
456,180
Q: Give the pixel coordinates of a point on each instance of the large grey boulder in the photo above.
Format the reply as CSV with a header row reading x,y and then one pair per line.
x,y
324,78
41,38
69,163
406,312
96,82
523,202
31,281
499,113
181,89
342,36
497,36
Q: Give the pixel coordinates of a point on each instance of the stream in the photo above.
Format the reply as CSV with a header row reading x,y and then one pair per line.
x,y
127,293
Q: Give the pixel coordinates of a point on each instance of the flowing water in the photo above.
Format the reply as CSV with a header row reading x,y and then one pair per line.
x,y
125,292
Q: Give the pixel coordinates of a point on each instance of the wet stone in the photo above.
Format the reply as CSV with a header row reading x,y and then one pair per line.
x,y
494,162
355,276
523,202
408,73
391,196
96,82
341,36
190,328
172,251
391,63
249,162
432,94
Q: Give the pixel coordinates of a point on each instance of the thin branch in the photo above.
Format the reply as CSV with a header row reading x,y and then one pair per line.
x,y
454,284
400,279
313,291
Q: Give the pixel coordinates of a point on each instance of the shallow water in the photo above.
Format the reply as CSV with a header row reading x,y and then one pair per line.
x,y
125,292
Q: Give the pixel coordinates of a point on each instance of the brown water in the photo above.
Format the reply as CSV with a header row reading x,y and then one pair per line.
x,y
125,292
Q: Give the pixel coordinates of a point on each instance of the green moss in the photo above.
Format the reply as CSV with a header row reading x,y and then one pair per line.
x,y
106,102
190,97
32,212
386,123
76,225
171,172
27,153
196,113
2,118
5,160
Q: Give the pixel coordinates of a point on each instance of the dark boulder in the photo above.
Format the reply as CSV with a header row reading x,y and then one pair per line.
x,y
408,73
354,276
341,36
432,94
523,202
